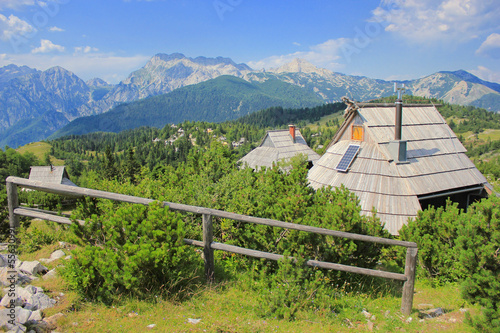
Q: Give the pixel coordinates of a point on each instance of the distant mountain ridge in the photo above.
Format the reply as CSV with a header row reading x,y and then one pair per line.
x,y
56,96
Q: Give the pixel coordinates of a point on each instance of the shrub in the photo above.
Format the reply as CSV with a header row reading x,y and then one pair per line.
x,y
463,246
293,287
435,231
479,248
133,251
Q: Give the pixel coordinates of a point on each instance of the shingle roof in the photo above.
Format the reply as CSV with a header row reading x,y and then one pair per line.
x,y
50,174
278,145
437,162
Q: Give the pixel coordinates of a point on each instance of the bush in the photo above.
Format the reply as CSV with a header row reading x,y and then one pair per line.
x,y
435,231
479,247
463,246
132,251
293,287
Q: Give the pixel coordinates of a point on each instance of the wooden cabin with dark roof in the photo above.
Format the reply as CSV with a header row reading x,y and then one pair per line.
x,y
50,174
279,145
398,176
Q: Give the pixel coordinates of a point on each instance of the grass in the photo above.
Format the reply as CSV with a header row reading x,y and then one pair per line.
x,y
492,134
323,120
232,306
39,149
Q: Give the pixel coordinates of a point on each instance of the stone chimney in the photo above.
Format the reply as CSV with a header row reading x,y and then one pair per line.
x,y
291,128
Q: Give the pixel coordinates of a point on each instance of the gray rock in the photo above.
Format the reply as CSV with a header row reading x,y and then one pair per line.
x,y
33,267
50,274
3,261
57,254
433,313
22,315
18,328
39,301
15,299
8,275
36,315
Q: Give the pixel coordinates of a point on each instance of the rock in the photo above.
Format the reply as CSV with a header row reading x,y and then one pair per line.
x,y
39,301
19,314
50,274
193,321
68,257
3,261
33,267
151,326
7,300
433,313
9,276
57,254
43,326
18,328
462,310
52,320
36,315
370,325
22,315
366,313
409,320
54,256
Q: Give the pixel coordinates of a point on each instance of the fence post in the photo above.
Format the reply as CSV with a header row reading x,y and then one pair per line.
x,y
208,252
409,285
13,203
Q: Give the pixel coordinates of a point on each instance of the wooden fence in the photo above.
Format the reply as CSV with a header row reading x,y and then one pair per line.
x,y
207,243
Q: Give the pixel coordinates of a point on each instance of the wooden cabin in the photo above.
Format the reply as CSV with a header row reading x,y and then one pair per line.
x,y
398,176
279,145
50,174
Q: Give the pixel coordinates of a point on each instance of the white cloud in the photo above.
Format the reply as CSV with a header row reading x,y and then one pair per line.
x,y
14,4
85,49
486,74
55,29
490,47
13,26
425,21
47,46
296,43
108,67
325,55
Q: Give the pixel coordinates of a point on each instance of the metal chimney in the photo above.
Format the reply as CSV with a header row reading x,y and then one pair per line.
x,y
399,112
397,148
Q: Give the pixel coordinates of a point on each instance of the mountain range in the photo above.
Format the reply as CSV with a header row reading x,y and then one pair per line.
x,y
34,104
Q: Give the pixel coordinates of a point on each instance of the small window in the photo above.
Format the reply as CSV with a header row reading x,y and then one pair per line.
x,y
358,132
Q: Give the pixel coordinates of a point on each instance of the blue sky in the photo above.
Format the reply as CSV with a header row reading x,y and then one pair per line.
x,y
383,39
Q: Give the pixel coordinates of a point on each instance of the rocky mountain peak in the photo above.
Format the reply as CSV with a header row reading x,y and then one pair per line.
x,y
97,83
12,71
298,66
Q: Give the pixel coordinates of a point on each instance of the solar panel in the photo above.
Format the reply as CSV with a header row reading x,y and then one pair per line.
x,y
346,160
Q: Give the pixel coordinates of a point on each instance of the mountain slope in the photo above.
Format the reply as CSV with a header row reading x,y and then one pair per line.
x,y
216,100
164,73
27,94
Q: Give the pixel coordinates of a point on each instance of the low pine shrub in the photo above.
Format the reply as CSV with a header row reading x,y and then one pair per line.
x,y
463,246
132,251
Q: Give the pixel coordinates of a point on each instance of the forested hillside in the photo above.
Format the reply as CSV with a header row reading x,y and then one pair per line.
x,y
221,99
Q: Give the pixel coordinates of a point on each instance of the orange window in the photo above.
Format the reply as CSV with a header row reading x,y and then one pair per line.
x,y
357,132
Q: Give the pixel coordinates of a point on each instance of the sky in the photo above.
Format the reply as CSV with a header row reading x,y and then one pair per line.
x,y
381,39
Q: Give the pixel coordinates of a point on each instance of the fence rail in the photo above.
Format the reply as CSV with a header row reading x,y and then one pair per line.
x,y
208,244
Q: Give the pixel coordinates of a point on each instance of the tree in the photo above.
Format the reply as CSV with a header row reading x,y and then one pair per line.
x,y
110,171
132,168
